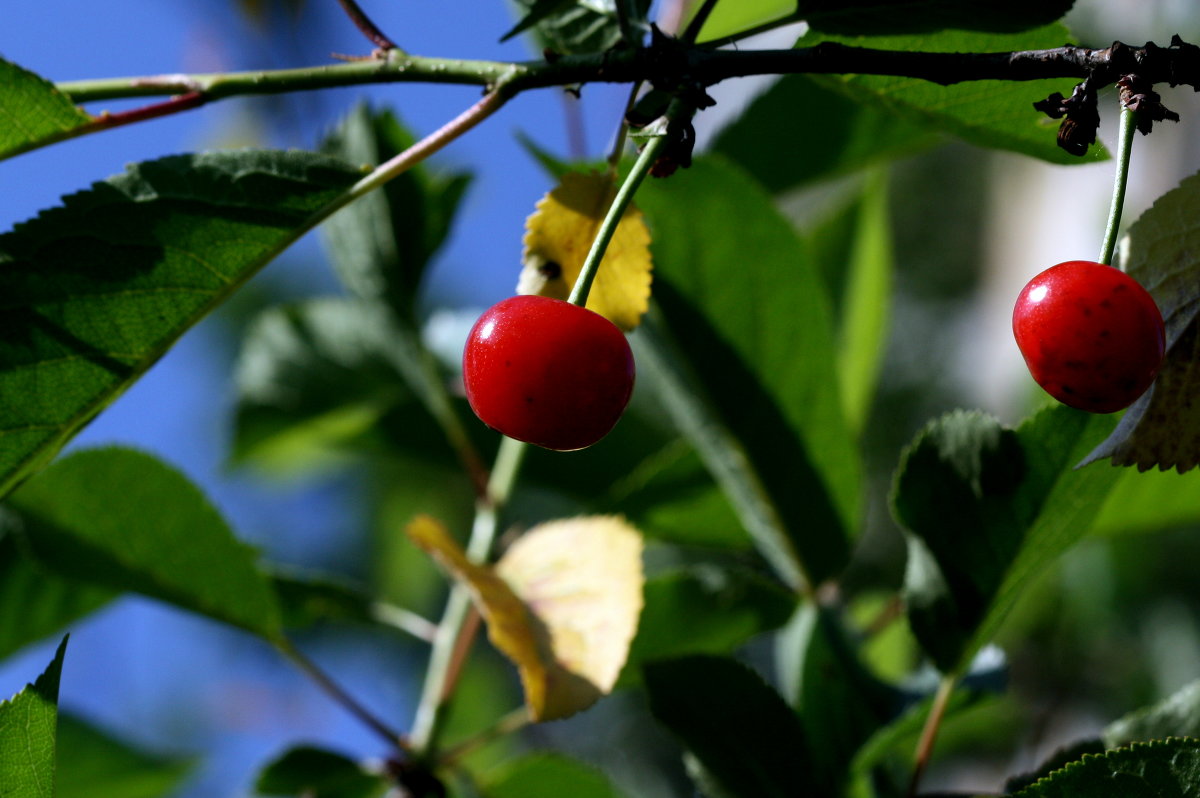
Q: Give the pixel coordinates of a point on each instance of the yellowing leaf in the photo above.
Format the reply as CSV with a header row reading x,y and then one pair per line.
x,y
582,578
567,630
559,234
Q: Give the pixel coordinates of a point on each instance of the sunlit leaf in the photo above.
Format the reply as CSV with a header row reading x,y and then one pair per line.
x,y
92,293
562,604
734,16
904,16
27,735
124,520
560,233
1162,252
33,112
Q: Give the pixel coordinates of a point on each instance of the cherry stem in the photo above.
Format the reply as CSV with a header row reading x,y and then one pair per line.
x,y
1124,151
608,227
366,26
933,723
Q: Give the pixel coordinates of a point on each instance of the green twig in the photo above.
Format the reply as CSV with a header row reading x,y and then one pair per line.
x,y
514,721
608,227
1124,151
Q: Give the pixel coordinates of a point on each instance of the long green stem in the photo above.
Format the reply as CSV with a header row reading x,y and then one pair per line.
x,y
608,227
1124,151
438,684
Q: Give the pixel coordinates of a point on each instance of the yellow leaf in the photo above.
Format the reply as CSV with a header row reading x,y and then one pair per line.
x,y
582,578
547,626
559,234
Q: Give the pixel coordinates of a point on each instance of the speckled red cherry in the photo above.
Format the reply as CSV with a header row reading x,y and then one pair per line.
x,y
547,372
1092,337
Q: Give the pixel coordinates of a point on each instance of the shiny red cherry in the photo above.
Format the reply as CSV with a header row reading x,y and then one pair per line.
x,y
547,372
1092,337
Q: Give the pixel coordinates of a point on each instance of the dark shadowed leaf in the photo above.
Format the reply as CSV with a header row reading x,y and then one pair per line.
x,y
92,293
915,16
308,598
988,113
742,733
703,610
35,602
306,771
987,508
92,764
35,113
27,735
382,243
546,775
124,520
745,315
1166,768
840,704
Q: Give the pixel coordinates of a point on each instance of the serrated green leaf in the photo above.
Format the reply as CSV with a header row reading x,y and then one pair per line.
x,y
546,775
839,703
33,112
985,509
801,130
857,17
1162,428
703,610
93,765
35,603
1167,768
124,520
1178,715
307,771
1150,501
743,733
743,354
92,293
27,735
312,377
383,242
989,113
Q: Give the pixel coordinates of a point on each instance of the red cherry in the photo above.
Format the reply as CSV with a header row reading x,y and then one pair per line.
x,y
547,372
1092,337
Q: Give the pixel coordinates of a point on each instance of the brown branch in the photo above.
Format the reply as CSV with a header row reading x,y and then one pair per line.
x,y
366,26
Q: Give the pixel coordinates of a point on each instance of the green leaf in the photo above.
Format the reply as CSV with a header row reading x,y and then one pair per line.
x,y
382,243
1057,761
308,598
27,735
731,17
744,362
866,299
546,775
703,610
307,771
986,509
578,26
312,377
1162,428
1178,715
33,112
34,603
1149,501
93,765
124,520
995,114
839,703
915,16
740,730
802,130
92,293
1168,768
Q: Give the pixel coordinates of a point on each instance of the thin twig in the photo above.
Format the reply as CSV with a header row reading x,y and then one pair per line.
x,y
338,693
366,26
933,723
692,31
512,722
